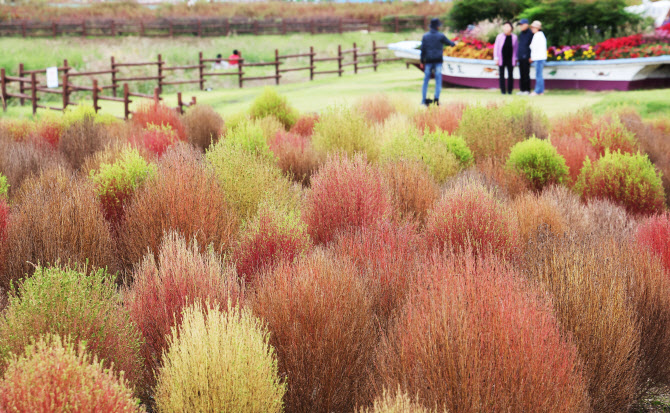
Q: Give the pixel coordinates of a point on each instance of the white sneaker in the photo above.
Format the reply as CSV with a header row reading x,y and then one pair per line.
x,y
522,93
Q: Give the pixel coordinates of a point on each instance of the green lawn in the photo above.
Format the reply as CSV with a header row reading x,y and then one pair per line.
x,y
405,86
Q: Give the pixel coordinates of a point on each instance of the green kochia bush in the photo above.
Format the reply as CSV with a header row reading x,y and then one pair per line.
x,y
342,129
249,136
539,162
248,179
4,186
67,302
115,183
629,180
492,131
220,362
270,103
443,154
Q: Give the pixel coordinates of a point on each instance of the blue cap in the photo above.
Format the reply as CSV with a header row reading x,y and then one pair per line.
x,y
523,21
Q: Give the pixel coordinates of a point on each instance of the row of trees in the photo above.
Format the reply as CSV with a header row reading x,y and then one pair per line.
x,y
563,21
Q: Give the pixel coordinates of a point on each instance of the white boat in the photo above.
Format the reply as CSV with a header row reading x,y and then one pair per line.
x,y
613,74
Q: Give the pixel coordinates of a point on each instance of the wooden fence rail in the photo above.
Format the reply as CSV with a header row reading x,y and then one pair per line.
x,y
31,82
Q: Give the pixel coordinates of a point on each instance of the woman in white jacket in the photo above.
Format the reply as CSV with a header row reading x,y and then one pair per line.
x,y
538,55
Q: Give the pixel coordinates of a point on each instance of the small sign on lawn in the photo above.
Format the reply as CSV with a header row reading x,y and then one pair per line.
x,y
52,77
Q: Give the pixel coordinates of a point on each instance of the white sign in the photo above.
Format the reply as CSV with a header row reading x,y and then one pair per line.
x,y
52,77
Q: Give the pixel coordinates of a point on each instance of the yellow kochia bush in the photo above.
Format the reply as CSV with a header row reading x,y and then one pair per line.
x,y
219,362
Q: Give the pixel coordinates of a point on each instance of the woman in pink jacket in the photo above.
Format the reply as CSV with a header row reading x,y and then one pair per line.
x,y
504,53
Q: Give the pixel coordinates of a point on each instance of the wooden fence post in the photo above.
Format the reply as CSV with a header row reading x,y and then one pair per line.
x,y
227,27
141,29
3,89
22,89
54,30
311,63
311,26
339,25
283,26
66,92
255,25
397,26
171,29
112,29
114,85
339,60
23,29
355,59
240,73
277,66
126,102
157,95
180,104
199,28
160,73
374,55
33,91
201,71
95,95
83,28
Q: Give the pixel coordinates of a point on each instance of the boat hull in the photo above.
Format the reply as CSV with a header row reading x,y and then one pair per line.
x,y
616,74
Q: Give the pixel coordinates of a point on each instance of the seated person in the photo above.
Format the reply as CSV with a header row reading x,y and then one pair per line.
x,y
234,59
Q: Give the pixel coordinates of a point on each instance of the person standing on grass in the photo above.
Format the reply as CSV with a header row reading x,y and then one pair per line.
x,y
504,53
523,57
432,49
538,55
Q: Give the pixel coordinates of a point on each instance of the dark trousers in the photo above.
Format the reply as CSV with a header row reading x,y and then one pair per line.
x,y
510,78
524,74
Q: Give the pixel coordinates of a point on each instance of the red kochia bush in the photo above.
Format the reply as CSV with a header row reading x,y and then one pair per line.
x,y
295,155
160,115
57,376
321,325
184,195
445,118
345,193
387,255
4,218
575,150
272,236
654,234
376,108
49,131
469,215
157,139
476,338
304,126
163,287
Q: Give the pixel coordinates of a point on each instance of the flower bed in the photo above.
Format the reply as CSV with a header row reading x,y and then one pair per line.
x,y
616,48
470,48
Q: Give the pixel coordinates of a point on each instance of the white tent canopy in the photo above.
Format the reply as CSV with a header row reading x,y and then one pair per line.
x,y
658,10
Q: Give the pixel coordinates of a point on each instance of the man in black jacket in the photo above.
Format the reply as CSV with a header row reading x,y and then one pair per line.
x,y
523,56
432,47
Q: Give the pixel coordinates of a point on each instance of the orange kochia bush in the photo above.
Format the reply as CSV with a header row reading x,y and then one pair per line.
x,y
476,337
184,196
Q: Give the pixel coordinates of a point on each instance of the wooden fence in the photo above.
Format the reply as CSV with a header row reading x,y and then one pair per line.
x,y
201,27
29,85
